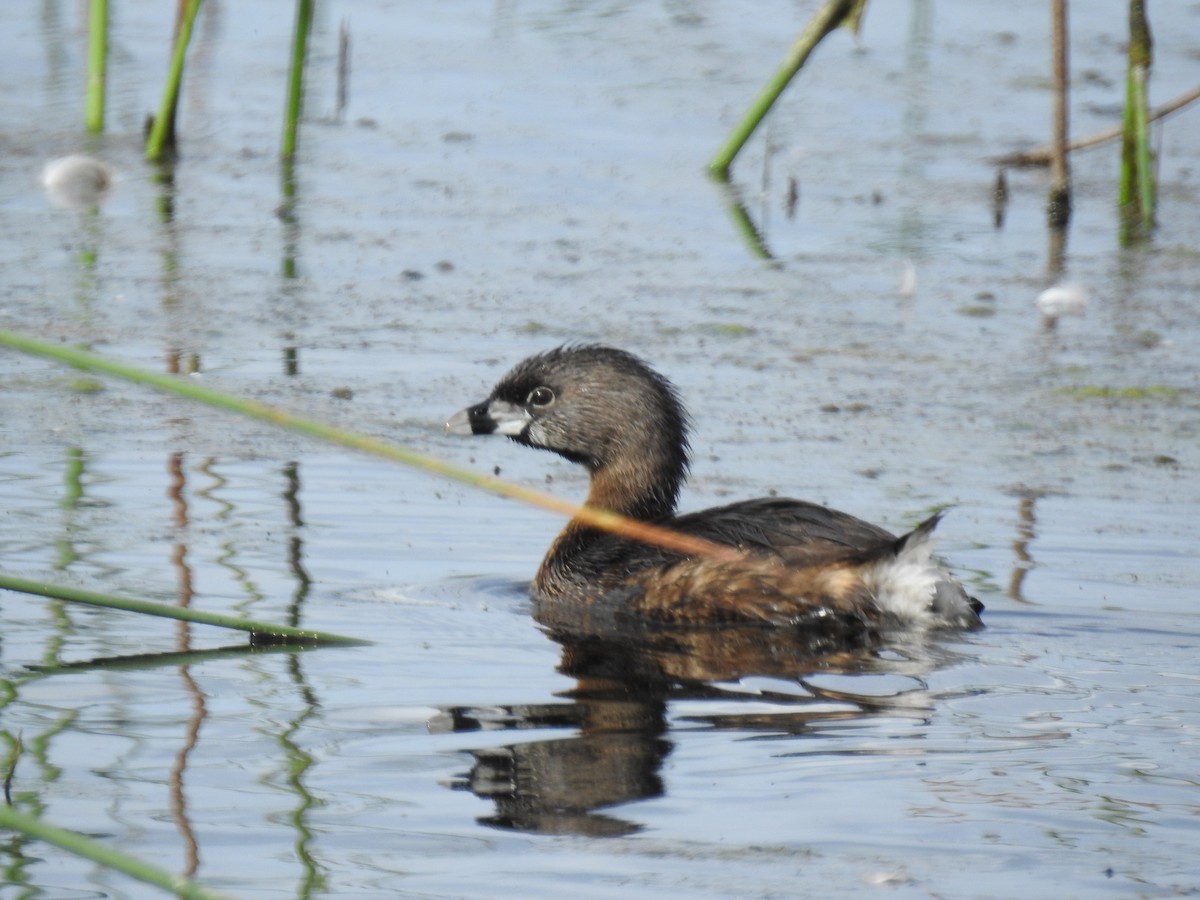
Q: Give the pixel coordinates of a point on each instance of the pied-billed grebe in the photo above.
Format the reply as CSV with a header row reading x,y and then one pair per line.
x,y
802,564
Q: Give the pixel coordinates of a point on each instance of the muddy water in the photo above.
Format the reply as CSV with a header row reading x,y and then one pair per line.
x,y
505,178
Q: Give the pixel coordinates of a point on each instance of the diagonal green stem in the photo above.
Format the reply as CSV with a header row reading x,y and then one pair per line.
x,y
80,845
262,630
295,96
826,19
597,518
162,130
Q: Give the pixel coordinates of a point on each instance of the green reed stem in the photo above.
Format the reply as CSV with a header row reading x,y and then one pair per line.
x,y
78,844
1136,197
295,96
826,19
97,65
162,131
264,631
183,387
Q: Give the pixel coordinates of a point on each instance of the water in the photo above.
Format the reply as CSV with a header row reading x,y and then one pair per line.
x,y
505,178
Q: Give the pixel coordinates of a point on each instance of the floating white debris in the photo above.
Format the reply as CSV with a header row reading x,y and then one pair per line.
x,y
908,281
77,181
1066,299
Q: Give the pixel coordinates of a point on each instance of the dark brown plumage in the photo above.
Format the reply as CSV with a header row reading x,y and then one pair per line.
x,y
804,565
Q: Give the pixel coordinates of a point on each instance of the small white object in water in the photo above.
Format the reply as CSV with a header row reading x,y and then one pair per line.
x,y
1066,299
908,283
76,181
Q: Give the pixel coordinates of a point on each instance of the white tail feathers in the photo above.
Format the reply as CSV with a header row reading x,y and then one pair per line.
x,y
911,587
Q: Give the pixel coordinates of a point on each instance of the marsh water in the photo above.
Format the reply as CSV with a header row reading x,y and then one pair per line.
x,y
505,177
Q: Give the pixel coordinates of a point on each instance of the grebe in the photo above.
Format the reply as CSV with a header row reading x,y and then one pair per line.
x,y
804,565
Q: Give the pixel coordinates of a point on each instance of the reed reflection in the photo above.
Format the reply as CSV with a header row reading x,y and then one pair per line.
x,y
181,518
295,555
625,683
1027,499
73,478
298,762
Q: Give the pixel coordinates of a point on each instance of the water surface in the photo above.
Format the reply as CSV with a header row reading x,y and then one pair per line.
x,y
506,177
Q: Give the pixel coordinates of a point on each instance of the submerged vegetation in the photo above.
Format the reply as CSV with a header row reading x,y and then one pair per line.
x,y
1101,392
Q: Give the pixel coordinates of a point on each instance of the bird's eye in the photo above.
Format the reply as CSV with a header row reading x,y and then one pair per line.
x,y
540,396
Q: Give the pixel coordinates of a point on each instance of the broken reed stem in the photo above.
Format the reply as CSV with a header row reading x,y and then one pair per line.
x,y
266,632
1059,205
97,65
826,19
161,139
1040,156
189,388
86,847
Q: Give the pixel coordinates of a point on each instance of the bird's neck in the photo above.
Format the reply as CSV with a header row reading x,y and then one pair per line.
x,y
642,483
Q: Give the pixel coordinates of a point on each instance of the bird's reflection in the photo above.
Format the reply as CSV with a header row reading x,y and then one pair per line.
x,y
562,785
617,713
